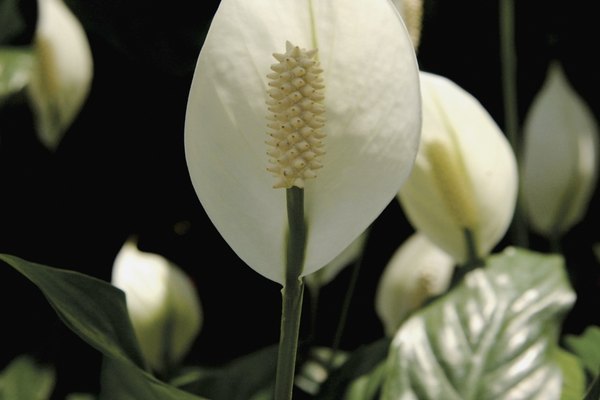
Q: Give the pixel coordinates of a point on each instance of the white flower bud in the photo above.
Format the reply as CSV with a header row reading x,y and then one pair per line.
x,y
465,175
162,302
560,156
62,72
350,255
417,271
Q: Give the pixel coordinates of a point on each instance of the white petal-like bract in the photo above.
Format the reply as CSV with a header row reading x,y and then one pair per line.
x,y
560,156
465,175
62,73
372,103
162,302
417,271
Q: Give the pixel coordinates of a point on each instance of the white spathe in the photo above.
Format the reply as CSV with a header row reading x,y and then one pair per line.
x,y
474,184
62,73
412,14
417,271
163,305
372,103
560,156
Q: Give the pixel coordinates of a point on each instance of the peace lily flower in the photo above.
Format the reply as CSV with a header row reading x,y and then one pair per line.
x,y
365,109
560,156
417,271
162,302
465,175
62,72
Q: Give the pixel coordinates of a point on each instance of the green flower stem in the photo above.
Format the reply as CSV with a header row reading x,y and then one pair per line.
x,y
344,314
292,293
511,112
473,259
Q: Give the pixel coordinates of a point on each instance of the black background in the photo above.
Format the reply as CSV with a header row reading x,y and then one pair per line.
x,y
120,171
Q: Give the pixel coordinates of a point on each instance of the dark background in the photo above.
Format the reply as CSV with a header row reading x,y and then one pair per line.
x,y
120,170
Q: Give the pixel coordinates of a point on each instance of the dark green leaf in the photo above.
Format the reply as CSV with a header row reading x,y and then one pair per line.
x,y
24,378
124,381
587,348
362,361
594,391
96,311
314,369
93,309
493,337
367,386
238,380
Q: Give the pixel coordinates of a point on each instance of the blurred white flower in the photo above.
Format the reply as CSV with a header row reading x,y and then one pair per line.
x,y
372,106
465,175
350,255
62,72
162,302
560,156
417,271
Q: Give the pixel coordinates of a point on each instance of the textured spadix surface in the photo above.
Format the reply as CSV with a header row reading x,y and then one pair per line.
x,y
372,104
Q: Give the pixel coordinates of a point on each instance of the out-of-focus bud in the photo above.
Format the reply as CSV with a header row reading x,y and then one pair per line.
x,y
162,302
560,156
465,176
62,72
326,274
417,271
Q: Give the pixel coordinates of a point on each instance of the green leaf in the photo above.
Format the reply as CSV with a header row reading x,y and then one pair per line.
x,y
315,367
24,378
96,311
587,348
593,392
93,309
361,362
15,70
367,386
252,374
573,385
124,381
493,337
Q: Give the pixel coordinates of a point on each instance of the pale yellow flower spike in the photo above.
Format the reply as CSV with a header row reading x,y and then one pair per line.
x,y
458,196
296,117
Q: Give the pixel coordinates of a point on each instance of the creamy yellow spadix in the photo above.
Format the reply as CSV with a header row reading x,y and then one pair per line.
x,y
296,117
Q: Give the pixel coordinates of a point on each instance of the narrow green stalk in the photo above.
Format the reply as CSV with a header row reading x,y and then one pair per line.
x,y
314,294
344,313
508,60
292,294
473,259
346,306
